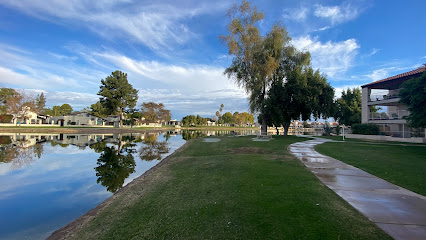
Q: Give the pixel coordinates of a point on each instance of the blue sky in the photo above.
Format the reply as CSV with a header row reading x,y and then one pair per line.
x,y
171,52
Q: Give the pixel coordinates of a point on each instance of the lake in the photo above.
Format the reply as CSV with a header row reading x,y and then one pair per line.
x,y
48,180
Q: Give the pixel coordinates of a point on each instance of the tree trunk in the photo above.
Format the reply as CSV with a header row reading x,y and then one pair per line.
x,y
121,117
286,126
278,131
264,130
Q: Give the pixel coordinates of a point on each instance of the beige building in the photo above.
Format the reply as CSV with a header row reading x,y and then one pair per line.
x,y
384,94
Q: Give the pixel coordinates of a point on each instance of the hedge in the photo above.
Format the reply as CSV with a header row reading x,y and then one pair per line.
x,y
365,129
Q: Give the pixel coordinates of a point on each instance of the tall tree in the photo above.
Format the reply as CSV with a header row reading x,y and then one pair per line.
x,y
255,57
413,94
40,103
117,94
348,107
155,112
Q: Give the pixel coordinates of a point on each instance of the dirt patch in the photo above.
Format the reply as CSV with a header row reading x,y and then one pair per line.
x,y
248,150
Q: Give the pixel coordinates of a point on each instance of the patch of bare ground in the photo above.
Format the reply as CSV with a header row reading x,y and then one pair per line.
x,y
124,197
248,150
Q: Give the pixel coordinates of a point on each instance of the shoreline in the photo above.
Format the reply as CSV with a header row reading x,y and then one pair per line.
x,y
65,231
114,130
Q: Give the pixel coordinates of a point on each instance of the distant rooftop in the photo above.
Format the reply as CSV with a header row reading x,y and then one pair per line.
x,y
403,76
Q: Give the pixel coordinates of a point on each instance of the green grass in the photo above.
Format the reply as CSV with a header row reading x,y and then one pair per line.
x,y
399,163
232,189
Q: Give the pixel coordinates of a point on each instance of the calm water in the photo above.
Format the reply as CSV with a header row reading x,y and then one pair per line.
x,y
48,180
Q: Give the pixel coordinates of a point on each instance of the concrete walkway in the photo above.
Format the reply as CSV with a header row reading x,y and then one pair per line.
x,y
399,212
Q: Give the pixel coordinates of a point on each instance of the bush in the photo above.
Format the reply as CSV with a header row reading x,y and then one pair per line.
x,y
6,118
366,129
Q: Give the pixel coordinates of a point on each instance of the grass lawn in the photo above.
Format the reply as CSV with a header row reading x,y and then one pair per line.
x,y
399,163
232,189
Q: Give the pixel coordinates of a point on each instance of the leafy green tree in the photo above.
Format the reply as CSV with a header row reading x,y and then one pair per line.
x,y
155,112
117,94
348,107
40,103
303,94
227,117
65,109
413,94
98,110
132,115
255,57
201,121
189,120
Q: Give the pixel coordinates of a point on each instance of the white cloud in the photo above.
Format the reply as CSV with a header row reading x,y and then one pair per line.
x,y
158,26
296,14
322,29
386,72
338,90
336,14
374,51
332,58
379,74
423,57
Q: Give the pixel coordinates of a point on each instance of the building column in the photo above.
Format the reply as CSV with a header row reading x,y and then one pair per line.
x,y
365,113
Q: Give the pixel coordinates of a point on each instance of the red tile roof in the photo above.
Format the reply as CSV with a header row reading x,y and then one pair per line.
x,y
402,75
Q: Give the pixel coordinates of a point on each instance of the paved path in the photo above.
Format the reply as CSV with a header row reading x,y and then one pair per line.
x,y
399,212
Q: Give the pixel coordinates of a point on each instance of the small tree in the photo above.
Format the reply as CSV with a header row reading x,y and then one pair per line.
x,y
40,103
413,94
155,112
117,94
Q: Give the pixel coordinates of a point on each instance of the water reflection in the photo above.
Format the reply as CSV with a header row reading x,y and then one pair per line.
x,y
114,166
153,149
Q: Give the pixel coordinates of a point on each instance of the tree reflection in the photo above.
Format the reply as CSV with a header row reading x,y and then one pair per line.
x,y
20,152
114,166
189,134
8,152
153,149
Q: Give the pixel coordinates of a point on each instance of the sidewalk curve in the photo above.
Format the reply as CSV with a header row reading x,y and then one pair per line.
x,y
398,211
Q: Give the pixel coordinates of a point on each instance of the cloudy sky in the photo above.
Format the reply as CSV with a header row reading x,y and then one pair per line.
x,y
171,52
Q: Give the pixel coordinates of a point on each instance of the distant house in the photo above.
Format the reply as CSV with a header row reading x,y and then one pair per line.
x,y
384,94
25,116
113,120
174,123
78,119
141,122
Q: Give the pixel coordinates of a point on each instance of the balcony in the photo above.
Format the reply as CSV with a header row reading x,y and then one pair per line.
x,y
395,115
384,97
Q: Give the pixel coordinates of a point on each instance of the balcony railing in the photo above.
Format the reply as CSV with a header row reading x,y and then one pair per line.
x,y
400,114
385,96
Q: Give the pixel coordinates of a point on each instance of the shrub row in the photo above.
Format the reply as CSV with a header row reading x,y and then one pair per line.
x,y
366,129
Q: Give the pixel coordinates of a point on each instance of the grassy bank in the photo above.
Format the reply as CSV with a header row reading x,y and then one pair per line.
x,y
399,163
232,189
